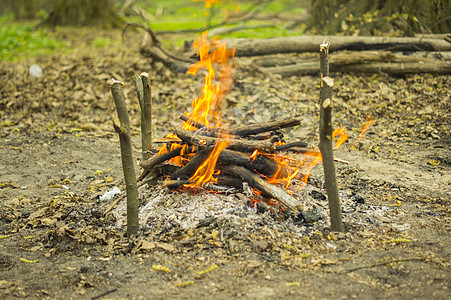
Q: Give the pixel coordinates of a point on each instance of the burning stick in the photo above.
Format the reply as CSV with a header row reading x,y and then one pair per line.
x,y
325,142
260,184
253,129
237,144
157,159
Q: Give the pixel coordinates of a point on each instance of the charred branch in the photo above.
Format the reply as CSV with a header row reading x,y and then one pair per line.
x,y
187,171
266,188
195,139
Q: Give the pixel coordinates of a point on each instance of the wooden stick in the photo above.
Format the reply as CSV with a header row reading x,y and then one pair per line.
x,y
128,163
263,127
261,164
248,130
187,171
325,141
146,116
237,144
259,183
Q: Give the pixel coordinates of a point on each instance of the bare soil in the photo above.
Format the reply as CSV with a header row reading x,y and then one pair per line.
x,y
59,153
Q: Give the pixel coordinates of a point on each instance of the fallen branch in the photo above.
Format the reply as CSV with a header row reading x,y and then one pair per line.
x,y
298,44
366,62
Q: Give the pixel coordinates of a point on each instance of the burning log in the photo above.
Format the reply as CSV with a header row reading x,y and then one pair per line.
x,y
187,171
261,164
157,159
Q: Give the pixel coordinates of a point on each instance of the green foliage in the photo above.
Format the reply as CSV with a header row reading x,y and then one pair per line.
x,y
101,42
19,40
173,15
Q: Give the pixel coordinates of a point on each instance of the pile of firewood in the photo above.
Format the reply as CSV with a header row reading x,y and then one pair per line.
x,y
235,164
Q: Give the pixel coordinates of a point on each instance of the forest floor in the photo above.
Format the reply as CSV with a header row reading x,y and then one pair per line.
x,y
59,153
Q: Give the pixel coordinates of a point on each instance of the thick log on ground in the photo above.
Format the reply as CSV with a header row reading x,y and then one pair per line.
x,y
260,184
367,62
237,144
298,44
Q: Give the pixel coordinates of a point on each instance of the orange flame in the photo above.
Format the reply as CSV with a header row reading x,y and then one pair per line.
x,y
207,105
205,172
368,123
208,3
289,167
342,137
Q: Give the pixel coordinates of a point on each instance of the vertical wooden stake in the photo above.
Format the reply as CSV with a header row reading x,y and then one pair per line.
x,y
146,116
128,163
143,91
325,140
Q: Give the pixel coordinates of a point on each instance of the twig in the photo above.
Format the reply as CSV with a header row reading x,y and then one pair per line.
x,y
325,142
385,263
104,294
112,205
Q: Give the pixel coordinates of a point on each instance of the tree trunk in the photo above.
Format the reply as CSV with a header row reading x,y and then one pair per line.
x,y
83,13
24,9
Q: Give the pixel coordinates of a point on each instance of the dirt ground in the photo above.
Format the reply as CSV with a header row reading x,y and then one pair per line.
x,y
59,153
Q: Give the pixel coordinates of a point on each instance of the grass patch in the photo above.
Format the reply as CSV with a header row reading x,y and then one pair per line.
x,y
23,40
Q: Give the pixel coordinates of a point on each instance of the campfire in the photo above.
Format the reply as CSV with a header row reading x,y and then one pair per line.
x,y
205,152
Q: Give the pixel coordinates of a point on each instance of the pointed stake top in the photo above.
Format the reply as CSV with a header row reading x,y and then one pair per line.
x,y
115,81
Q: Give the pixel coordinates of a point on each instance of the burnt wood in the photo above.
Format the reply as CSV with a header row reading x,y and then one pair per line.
x,y
187,171
236,143
260,184
261,164
264,127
